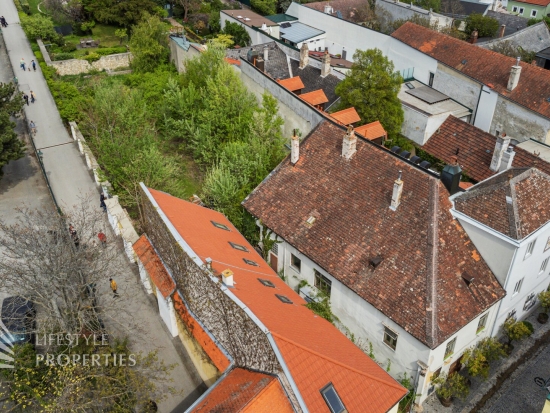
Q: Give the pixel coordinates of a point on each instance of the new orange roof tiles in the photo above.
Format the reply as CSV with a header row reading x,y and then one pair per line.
x,y
292,84
371,131
310,345
317,97
154,266
346,116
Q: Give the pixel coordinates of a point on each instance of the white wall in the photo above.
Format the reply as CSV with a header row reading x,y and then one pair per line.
x,y
419,127
314,43
255,36
486,109
519,123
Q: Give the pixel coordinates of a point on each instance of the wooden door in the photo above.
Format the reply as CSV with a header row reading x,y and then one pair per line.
x,y
273,261
456,366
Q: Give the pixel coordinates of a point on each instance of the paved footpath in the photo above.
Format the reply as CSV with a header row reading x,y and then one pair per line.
x,y
71,181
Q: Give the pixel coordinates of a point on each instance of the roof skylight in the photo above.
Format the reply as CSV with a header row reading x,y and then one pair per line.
x,y
267,283
284,298
250,262
220,226
238,247
332,399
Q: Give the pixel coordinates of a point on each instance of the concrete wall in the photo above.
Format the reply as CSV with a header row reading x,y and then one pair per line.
x,y
77,66
178,55
418,126
405,11
519,123
296,113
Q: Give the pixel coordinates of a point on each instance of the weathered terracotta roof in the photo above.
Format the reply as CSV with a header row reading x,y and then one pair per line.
x,y
475,149
371,131
245,391
485,66
346,116
535,2
292,83
315,352
513,202
317,97
419,242
154,266
231,61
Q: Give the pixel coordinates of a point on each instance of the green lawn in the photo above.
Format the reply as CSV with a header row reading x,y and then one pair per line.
x,y
33,5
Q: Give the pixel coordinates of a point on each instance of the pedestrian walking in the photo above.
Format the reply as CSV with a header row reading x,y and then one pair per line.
x,y
15,80
22,64
113,287
3,21
32,125
33,63
102,202
33,98
26,98
103,239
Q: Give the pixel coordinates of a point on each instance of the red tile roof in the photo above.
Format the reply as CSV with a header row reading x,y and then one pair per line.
x,y
154,266
313,349
483,65
514,202
231,61
346,116
317,97
246,392
355,224
371,131
292,83
535,2
475,149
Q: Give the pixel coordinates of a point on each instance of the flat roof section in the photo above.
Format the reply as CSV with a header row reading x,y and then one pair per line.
x,y
422,95
298,32
249,18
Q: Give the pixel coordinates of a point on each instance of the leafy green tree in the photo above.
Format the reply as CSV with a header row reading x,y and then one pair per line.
x,y
372,87
454,385
485,26
238,33
507,48
11,148
224,40
38,26
121,34
123,13
264,7
435,5
544,298
515,330
149,44
546,19
189,6
477,359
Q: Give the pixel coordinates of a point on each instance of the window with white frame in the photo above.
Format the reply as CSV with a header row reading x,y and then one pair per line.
x,y
533,13
530,248
515,9
482,322
544,265
450,349
521,10
390,337
517,287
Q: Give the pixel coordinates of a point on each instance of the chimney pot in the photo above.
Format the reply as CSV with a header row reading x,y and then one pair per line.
x,y
349,145
208,263
473,36
266,53
450,176
227,277
500,147
294,148
515,72
502,30
397,191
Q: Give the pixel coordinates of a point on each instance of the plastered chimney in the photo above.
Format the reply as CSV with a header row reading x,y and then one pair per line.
x,y
502,30
473,36
500,147
294,148
304,55
397,191
325,63
349,145
328,8
266,53
227,278
514,76
507,159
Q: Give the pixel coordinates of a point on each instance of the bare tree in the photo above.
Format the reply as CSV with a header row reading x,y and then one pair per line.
x,y
189,6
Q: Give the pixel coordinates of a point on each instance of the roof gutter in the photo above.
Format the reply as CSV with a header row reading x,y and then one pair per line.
x,y
189,251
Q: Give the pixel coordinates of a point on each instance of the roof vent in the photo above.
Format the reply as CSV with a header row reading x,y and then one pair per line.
x,y
227,277
425,164
311,220
284,298
247,19
239,17
468,279
405,154
375,262
416,159
396,149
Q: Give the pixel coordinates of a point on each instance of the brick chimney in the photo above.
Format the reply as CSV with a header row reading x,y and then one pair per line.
x,y
515,71
304,55
507,159
397,191
500,147
349,145
294,148
473,36
325,63
227,277
502,30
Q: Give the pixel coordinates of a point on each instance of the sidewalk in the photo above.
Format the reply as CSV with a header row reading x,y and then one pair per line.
x,y
70,181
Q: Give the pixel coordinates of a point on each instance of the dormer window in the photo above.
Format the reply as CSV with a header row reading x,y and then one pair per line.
x,y
332,399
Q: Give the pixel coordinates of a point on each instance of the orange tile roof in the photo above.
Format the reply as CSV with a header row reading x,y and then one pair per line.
x,y
154,266
212,350
371,131
292,83
346,116
245,391
317,97
231,61
535,2
310,345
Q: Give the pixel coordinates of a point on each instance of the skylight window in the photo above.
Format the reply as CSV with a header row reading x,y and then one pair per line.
x,y
267,283
220,226
250,262
311,220
332,399
238,247
284,299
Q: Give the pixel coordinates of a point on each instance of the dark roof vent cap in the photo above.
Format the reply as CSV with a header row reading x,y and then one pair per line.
x,y
375,262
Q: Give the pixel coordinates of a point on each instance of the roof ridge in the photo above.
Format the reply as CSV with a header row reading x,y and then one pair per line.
x,y
395,385
431,274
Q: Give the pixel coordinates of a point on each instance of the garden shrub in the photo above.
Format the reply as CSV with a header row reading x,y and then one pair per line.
x,y
68,47
92,57
62,56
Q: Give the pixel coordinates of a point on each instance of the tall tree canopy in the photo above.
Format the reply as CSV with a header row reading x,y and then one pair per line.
x,y
372,87
149,44
11,147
